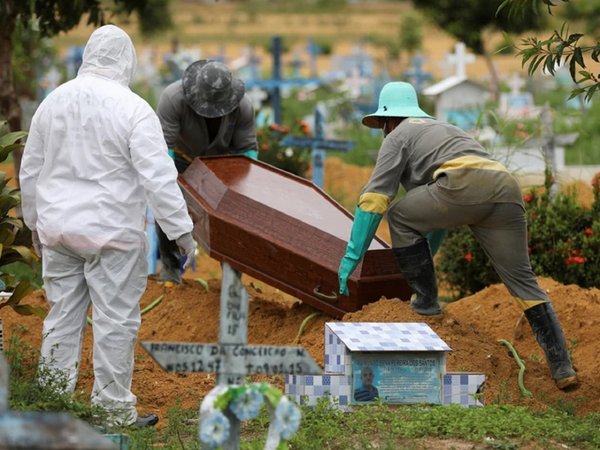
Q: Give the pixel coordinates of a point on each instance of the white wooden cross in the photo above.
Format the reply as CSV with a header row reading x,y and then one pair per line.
x,y
515,82
232,358
460,58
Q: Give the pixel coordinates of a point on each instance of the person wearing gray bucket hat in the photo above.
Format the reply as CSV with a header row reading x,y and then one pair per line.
x,y
450,181
206,113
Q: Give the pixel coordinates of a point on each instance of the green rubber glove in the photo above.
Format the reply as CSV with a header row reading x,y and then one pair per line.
x,y
363,229
252,154
436,239
171,153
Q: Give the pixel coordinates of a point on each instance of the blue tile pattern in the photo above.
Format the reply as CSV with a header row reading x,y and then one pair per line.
x,y
461,388
392,336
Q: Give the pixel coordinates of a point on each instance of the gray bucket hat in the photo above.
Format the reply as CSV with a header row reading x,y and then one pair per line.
x,y
210,89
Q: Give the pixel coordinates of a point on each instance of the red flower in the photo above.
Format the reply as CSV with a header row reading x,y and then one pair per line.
x,y
588,231
575,260
528,197
468,256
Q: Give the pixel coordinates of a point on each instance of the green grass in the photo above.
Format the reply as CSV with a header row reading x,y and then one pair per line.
x,y
496,426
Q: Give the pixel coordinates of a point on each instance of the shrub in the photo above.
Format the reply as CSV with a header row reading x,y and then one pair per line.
x,y
10,252
291,159
564,243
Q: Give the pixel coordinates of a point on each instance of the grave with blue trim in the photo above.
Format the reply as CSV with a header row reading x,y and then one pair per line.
x,y
395,362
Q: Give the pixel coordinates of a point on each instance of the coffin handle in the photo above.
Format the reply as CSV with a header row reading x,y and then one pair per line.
x,y
328,298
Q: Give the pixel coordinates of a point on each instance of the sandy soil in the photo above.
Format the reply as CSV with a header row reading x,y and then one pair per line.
x,y
471,326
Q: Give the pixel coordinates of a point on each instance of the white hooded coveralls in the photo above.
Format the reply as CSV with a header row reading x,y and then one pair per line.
x,y
95,157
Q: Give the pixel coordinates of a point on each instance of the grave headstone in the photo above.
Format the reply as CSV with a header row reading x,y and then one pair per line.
x,y
401,363
277,82
30,430
416,75
459,59
518,104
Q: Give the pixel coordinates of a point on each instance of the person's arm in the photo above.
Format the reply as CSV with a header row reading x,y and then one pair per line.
x,y
31,166
372,204
158,175
244,136
367,217
169,112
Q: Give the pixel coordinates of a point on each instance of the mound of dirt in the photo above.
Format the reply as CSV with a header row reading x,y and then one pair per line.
x,y
471,326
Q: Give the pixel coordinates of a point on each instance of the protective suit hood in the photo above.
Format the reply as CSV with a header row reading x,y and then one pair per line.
x,y
109,53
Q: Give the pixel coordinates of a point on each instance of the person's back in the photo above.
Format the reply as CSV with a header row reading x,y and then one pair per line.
x,y
94,159
95,131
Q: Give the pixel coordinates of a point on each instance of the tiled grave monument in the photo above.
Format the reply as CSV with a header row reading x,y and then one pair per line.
x,y
397,363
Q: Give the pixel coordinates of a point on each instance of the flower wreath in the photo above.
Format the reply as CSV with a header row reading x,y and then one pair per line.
x,y
225,404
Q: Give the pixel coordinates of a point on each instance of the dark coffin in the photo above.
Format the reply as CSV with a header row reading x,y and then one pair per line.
x,y
285,231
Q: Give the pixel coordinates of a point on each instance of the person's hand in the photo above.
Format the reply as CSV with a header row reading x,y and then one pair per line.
x,y
347,266
188,247
37,245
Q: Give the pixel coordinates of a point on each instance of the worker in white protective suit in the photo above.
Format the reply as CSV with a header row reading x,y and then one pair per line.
x,y
94,160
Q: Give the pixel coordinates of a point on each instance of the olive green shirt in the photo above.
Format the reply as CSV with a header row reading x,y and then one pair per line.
x,y
420,151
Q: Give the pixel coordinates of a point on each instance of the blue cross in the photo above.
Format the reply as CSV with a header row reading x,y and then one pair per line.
x,y
318,145
416,74
274,84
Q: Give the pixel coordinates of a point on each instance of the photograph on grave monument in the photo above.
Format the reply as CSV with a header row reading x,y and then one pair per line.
x,y
400,379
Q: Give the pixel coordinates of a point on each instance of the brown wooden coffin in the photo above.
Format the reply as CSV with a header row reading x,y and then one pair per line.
x,y
285,231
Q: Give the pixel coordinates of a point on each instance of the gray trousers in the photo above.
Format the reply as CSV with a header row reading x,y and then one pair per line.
x,y
500,228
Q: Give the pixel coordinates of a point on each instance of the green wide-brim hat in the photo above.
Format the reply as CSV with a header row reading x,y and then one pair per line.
x,y
397,99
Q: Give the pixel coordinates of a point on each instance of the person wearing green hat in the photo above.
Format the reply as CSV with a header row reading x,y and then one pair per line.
x,y
450,181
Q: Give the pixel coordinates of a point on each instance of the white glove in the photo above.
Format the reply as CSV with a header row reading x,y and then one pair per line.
x,y
188,247
37,245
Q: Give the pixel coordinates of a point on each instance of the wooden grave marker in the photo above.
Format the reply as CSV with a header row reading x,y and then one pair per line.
x,y
232,358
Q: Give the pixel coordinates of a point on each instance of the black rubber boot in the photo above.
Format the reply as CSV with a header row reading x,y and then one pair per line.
x,y
170,258
149,420
416,264
549,335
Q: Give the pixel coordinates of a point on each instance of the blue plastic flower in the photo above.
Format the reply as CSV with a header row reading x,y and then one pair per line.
x,y
246,405
214,429
287,418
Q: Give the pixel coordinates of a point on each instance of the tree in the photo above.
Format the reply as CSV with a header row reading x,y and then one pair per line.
x,y
469,20
51,17
561,48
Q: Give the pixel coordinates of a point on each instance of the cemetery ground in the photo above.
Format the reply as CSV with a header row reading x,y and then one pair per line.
x,y
471,326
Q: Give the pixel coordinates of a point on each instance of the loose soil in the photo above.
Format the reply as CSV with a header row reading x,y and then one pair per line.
x,y
471,326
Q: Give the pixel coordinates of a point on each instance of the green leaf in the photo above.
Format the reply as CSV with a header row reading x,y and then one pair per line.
x,y
12,137
21,290
203,283
578,57
28,310
273,395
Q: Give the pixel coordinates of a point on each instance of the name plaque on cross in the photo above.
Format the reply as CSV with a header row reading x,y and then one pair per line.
x,y
232,358
258,359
